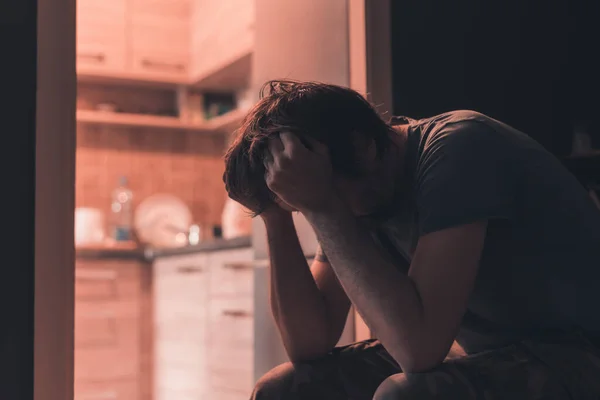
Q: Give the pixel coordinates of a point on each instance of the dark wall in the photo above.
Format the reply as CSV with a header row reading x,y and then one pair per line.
x,y
530,63
17,172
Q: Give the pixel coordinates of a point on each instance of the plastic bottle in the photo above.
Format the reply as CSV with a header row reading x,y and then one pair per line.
x,y
121,212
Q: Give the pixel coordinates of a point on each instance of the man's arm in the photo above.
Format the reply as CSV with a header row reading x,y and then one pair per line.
x,y
309,305
416,316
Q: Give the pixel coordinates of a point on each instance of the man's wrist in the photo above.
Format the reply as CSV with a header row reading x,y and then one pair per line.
x,y
332,205
276,216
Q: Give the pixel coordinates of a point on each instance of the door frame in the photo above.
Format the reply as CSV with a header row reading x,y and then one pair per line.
x,y
370,73
55,200
369,30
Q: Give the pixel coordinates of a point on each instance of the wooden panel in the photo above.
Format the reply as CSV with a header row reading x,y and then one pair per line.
x,y
114,390
98,281
222,33
101,35
231,273
111,351
160,37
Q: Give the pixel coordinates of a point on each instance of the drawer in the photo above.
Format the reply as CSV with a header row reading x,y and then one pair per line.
x,y
171,394
232,273
231,379
230,350
180,354
105,323
231,321
96,281
185,330
185,380
115,359
117,390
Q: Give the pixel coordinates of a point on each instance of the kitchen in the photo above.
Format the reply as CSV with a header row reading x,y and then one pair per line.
x,y
171,295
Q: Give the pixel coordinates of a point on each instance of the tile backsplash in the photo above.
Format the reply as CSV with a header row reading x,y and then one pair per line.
x,y
186,164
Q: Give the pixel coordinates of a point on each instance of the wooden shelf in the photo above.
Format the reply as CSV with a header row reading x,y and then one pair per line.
x,y
227,123
223,123
86,74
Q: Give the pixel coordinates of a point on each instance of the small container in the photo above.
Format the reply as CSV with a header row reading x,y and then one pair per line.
x,y
194,235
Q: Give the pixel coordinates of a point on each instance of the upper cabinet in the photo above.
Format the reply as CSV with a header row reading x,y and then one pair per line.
x,y
222,42
160,38
205,43
101,36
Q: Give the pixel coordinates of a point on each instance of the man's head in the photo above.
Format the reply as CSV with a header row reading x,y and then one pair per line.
x,y
358,140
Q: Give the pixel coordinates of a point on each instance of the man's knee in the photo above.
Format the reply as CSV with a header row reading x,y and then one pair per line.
x,y
274,384
442,383
393,388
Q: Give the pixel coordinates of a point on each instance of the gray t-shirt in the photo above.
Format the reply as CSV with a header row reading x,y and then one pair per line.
x,y
540,268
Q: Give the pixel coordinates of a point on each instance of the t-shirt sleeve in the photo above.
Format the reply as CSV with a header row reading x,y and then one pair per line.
x,y
465,175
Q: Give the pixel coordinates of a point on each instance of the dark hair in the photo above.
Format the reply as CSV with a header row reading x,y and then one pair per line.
x,y
327,113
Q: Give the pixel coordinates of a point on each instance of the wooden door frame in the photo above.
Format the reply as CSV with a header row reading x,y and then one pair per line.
x,y
369,30
54,200
370,72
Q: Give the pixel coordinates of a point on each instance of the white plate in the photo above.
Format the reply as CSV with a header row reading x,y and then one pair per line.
x,y
163,220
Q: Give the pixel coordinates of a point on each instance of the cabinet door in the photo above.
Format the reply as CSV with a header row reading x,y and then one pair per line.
x,y
160,43
101,36
222,32
108,322
180,307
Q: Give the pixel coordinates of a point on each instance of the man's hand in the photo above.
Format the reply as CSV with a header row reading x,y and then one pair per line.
x,y
301,178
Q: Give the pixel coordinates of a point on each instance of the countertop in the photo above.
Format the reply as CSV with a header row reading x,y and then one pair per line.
x,y
148,253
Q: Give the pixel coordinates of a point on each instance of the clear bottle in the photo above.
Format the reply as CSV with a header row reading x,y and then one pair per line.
x,y
121,212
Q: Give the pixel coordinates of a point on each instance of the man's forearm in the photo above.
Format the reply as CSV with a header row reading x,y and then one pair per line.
x,y
386,298
298,306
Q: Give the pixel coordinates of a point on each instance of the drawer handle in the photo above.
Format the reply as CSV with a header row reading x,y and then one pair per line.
x,y
162,65
237,313
189,270
238,266
99,57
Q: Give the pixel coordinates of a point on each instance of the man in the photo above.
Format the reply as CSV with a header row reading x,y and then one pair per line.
x,y
454,227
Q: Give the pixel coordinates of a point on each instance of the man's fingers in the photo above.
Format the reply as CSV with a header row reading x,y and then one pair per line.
x,y
268,159
317,146
291,142
275,145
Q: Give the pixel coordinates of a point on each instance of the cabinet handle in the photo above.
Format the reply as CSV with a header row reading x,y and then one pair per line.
x,y
190,270
99,57
238,266
237,313
162,65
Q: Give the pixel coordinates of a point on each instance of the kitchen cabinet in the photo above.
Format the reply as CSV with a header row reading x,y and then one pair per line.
x,y
111,321
223,33
102,35
203,307
180,314
160,38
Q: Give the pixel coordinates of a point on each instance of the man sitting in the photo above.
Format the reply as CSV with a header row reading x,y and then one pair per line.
x,y
454,227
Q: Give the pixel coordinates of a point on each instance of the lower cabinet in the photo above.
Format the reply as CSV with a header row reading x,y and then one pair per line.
x,y
203,316
112,341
